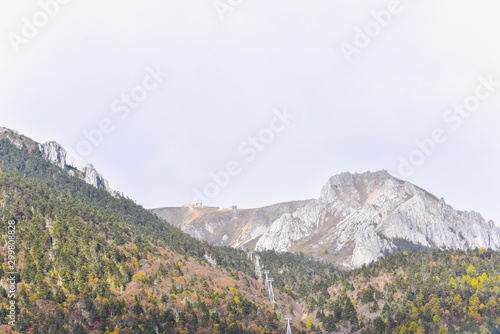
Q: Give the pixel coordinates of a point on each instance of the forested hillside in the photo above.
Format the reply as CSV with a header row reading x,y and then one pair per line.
x,y
418,292
89,262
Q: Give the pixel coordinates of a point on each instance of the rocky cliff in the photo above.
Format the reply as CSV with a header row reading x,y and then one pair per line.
x,y
226,227
17,139
92,177
356,219
360,217
54,153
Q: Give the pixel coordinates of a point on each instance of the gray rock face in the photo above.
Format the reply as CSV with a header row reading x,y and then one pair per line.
x,y
53,152
56,154
237,228
356,219
372,214
7,134
16,139
92,177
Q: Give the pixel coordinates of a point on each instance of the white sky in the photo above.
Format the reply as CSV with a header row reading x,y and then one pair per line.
x,y
226,77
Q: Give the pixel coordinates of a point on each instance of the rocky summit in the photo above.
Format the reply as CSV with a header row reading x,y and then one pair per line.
x,y
54,153
356,219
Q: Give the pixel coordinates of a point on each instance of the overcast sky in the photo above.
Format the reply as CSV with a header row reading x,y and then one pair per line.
x,y
356,85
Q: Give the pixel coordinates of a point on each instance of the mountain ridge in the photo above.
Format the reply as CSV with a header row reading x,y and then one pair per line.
x,y
357,218
90,262
54,153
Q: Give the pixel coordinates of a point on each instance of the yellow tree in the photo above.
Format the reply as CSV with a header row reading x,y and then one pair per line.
x,y
471,270
442,330
309,323
457,303
453,283
474,304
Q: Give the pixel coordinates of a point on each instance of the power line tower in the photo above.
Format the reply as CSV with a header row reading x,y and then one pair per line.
x,y
266,272
257,266
288,328
271,292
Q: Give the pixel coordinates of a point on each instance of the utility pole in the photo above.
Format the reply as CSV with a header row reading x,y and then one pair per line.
x,y
271,292
266,272
288,328
257,266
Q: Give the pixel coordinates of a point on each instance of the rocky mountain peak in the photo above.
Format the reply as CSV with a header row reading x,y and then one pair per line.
x,y
356,219
368,215
53,152
16,139
92,177
350,179
356,188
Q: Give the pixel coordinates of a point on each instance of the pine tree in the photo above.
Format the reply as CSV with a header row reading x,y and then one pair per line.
x,y
349,313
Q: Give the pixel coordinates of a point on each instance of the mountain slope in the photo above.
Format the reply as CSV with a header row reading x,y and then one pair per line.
x,y
356,219
84,271
90,263
225,227
413,292
56,154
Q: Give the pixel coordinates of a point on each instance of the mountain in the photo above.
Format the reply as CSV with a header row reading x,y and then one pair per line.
x,y
357,219
53,152
226,227
91,262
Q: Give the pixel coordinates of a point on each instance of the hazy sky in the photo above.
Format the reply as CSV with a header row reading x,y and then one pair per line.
x,y
355,84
